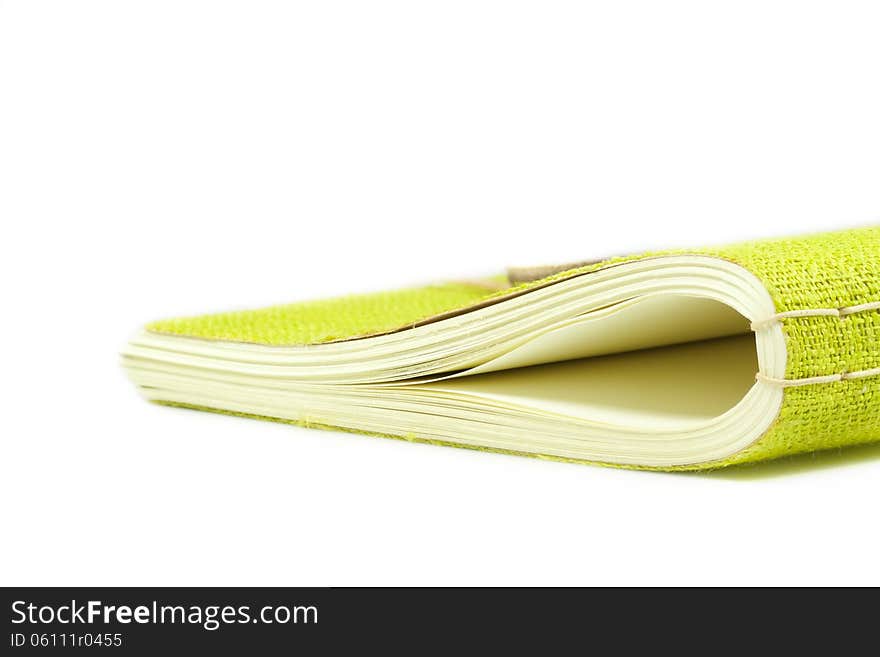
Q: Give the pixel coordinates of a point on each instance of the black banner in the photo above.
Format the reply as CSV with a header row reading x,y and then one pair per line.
x,y
317,621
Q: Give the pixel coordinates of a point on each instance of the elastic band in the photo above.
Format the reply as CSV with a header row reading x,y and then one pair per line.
x,y
812,380
816,312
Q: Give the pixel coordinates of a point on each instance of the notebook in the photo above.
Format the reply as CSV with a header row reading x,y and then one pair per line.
x,y
689,359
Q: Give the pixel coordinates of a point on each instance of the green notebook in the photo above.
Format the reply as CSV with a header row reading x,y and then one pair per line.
x,y
687,359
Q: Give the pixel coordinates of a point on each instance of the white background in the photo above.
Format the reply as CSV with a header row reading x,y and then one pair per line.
x,y
166,158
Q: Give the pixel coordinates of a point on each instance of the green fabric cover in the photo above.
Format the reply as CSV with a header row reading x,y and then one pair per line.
x,y
831,270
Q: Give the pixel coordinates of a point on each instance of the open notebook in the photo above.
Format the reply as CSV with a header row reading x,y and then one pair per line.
x,y
671,360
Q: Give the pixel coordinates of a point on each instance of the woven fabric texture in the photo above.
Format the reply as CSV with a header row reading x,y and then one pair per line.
x,y
326,320
830,270
834,270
